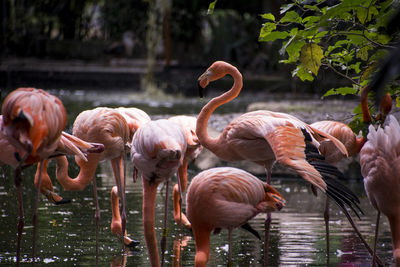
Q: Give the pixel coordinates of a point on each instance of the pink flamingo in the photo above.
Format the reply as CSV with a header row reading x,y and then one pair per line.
x,y
264,137
32,123
108,127
225,198
380,167
157,150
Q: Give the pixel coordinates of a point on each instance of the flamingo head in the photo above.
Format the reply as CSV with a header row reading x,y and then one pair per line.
x,y
273,200
216,71
384,108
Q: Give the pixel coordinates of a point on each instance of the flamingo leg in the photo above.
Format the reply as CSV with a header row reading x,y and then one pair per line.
x,y
149,201
376,237
326,218
179,216
97,218
116,227
230,247
17,181
267,224
117,165
379,261
165,229
35,208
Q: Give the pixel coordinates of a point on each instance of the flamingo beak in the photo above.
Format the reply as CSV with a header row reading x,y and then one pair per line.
x,y
204,79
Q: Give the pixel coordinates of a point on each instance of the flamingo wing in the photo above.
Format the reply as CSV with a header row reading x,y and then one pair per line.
x,y
293,144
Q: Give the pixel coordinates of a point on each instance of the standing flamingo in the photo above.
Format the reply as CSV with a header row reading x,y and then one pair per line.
x,y
353,145
380,167
157,150
108,127
225,197
32,122
188,125
265,137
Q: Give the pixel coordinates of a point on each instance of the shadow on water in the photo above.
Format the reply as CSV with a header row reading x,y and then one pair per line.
x,y
66,234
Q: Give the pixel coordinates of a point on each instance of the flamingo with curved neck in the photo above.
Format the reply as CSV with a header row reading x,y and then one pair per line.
x,y
108,127
265,137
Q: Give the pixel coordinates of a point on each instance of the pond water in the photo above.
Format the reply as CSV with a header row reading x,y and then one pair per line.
x,y
66,233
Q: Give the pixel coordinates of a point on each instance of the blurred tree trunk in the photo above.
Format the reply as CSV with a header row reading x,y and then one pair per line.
x,y
153,41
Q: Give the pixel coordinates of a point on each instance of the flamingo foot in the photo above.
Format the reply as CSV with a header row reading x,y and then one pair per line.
x,y
130,243
55,199
178,218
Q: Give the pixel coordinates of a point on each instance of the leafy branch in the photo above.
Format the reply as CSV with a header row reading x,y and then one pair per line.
x,y
343,37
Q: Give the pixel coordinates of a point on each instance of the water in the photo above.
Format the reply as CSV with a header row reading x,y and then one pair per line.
x,y
66,233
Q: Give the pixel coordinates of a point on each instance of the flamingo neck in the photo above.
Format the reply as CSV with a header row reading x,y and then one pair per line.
x,y
364,105
85,176
212,105
202,238
116,227
358,145
149,203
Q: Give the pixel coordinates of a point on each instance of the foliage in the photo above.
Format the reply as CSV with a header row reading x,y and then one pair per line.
x,y
346,37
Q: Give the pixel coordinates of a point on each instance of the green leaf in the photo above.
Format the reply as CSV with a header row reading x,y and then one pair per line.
x,y
274,36
291,16
311,20
398,102
211,7
356,67
362,13
266,30
341,91
302,73
268,16
362,53
310,57
314,8
293,50
285,8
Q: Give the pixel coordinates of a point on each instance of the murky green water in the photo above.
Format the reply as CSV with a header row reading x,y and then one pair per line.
x,y
66,233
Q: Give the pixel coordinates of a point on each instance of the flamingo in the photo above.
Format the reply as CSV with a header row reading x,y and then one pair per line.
x,y
157,150
380,167
188,125
32,123
225,197
379,160
353,145
106,126
264,137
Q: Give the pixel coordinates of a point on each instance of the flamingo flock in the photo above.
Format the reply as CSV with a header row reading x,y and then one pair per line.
x,y
32,133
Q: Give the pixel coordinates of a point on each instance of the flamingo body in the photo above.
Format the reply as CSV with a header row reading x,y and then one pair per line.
x,y
225,198
134,117
344,134
380,167
33,121
157,151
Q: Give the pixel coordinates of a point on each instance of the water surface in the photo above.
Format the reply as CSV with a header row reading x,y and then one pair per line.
x,y
66,233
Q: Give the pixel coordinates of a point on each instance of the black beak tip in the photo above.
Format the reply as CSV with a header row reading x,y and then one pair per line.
x,y
201,89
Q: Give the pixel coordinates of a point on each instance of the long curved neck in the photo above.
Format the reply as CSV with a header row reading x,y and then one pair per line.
x,y
358,145
208,109
85,176
364,105
149,203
